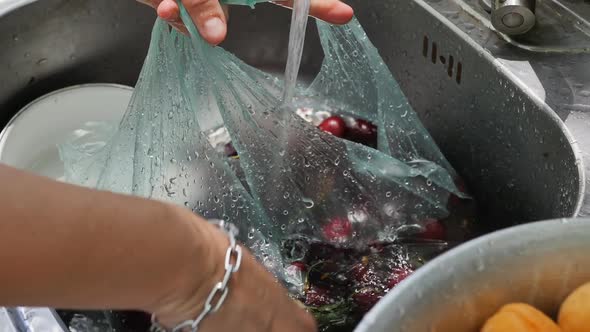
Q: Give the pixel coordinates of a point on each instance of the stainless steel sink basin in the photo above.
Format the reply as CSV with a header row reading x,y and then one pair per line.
x,y
479,96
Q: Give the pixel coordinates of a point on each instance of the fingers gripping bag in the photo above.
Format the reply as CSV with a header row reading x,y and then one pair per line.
x,y
332,215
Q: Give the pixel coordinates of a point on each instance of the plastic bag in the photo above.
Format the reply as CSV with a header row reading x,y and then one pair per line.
x,y
354,75
301,197
308,181
160,151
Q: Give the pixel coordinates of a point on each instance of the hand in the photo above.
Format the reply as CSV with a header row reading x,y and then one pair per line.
x,y
127,253
256,302
211,18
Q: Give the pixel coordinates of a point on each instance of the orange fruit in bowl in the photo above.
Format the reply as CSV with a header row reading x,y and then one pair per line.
x,y
520,317
574,314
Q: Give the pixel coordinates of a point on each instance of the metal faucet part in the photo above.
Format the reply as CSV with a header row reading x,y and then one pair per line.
x,y
512,17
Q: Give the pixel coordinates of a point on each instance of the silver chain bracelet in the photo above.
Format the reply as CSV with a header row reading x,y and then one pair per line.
x,y
233,260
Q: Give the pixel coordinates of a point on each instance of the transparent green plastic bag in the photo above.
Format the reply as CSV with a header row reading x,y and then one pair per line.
x,y
310,182
354,74
293,190
159,150
300,181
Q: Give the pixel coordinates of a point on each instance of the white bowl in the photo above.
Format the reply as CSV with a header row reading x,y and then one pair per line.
x,y
31,138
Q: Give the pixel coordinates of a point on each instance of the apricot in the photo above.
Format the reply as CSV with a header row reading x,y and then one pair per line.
x,y
574,314
519,317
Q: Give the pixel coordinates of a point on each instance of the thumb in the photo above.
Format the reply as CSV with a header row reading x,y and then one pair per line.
x,y
209,18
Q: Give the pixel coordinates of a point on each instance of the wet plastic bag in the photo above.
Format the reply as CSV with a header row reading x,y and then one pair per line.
x,y
159,149
319,186
354,75
301,197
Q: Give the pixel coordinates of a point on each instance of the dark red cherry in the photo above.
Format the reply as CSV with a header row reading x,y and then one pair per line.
x,y
433,230
454,200
229,150
366,298
334,125
337,230
398,276
363,132
316,296
298,266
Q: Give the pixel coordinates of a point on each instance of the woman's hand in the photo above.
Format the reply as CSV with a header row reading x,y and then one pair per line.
x,y
211,18
76,248
256,302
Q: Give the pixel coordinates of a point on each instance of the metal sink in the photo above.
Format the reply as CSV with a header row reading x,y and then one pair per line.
x,y
512,121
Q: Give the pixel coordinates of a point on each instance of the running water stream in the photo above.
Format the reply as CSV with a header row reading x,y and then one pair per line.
x,y
296,42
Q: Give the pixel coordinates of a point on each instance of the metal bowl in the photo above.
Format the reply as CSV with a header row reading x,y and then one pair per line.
x,y
539,263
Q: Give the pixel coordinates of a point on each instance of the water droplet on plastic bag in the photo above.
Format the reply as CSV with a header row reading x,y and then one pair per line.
x,y
308,202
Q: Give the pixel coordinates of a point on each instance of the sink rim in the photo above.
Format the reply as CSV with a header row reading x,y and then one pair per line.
x,y
10,5
546,109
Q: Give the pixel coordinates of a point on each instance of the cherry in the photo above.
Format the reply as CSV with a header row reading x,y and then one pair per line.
x,y
296,271
229,150
460,185
298,266
454,200
366,298
363,132
367,275
316,296
334,125
337,230
433,230
360,269
397,276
